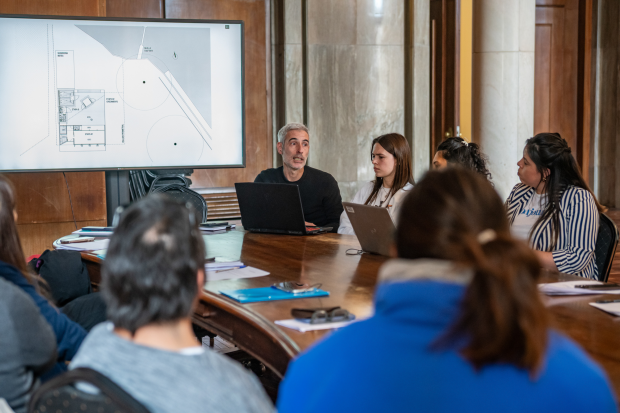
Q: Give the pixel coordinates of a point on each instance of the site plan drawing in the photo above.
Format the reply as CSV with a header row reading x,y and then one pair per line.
x,y
114,93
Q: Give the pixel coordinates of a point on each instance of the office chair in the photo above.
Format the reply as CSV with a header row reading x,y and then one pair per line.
x,y
60,395
605,249
162,178
143,182
183,194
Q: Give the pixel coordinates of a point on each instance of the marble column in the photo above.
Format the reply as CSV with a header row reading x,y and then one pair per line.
x,y
286,40
355,84
503,84
418,85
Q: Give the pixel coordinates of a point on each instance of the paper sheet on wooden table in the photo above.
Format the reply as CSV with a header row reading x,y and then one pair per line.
x,y
84,246
303,326
245,272
611,308
568,288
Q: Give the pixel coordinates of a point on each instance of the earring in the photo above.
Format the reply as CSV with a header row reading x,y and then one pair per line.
x,y
544,179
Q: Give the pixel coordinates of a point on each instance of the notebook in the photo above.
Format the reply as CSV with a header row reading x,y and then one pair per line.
x,y
253,295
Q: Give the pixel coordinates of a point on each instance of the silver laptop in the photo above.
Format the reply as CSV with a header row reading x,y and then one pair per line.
x,y
373,226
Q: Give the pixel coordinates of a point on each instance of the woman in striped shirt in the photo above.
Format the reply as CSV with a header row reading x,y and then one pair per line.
x,y
553,208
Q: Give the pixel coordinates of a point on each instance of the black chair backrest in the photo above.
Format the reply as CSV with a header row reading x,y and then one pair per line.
x,y
60,394
605,248
185,195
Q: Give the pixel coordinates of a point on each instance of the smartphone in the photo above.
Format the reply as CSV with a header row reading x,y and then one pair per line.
x,y
294,287
606,286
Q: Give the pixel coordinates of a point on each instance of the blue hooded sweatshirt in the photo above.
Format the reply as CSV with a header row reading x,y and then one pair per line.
x,y
386,363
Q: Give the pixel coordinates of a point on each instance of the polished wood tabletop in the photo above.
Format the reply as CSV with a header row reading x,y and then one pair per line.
x,y
350,280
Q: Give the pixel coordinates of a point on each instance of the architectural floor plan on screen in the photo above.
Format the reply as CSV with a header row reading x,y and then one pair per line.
x,y
132,85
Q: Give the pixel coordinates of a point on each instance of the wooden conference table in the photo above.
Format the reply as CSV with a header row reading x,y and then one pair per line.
x,y
350,279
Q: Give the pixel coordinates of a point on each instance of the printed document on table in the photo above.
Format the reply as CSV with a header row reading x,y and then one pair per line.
x,y
611,308
233,274
569,288
304,326
84,246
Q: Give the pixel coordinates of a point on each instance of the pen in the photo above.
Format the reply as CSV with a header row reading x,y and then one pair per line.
x,y
607,301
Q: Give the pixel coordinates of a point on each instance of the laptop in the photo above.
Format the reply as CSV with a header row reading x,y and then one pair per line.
x,y
273,208
373,226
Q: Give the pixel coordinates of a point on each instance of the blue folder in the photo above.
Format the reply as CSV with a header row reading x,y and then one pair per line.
x,y
253,295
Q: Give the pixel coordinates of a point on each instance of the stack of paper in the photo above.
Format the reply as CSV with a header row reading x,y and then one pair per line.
x,y
218,228
93,233
569,288
611,308
217,266
304,326
84,246
234,273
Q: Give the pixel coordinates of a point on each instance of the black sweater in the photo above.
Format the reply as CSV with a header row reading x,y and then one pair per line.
x,y
320,196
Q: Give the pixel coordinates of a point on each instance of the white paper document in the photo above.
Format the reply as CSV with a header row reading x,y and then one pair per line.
x,y
101,244
212,266
236,273
611,308
569,288
304,326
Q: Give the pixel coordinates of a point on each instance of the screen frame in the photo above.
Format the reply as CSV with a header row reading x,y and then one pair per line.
x,y
152,20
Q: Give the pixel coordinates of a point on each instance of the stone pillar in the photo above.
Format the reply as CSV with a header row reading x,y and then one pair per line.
x,y
503,84
355,84
417,83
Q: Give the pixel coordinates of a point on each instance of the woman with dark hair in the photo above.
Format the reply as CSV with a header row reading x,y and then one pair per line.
x,y
13,268
391,159
457,151
461,314
553,208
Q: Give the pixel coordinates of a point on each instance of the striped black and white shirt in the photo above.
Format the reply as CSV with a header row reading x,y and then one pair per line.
x,y
579,220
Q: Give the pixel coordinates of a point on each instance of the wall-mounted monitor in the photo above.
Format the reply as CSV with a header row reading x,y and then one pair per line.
x,y
104,94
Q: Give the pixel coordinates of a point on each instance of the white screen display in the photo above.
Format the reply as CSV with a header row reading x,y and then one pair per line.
x,y
105,94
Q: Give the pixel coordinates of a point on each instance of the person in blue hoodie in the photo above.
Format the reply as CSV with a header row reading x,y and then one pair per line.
x,y
69,335
458,323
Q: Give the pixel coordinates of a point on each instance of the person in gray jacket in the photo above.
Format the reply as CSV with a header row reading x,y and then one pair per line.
x,y
27,346
151,278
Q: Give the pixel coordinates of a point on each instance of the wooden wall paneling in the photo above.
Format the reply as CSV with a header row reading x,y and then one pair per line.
x,y
258,137
556,69
54,7
148,9
584,86
445,43
44,207
44,197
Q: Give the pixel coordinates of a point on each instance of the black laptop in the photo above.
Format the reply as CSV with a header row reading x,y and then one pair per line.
x,y
273,208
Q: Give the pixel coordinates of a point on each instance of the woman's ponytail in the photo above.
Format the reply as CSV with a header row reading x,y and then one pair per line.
x,y
455,214
501,317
